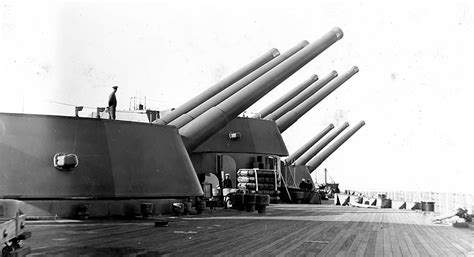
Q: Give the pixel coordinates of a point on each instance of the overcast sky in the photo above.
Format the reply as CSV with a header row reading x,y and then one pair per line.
x,y
413,88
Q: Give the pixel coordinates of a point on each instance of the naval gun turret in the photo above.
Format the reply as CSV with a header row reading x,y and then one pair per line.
x,y
111,166
292,116
52,164
219,141
326,152
218,87
314,88
229,91
300,151
294,171
216,118
316,148
288,96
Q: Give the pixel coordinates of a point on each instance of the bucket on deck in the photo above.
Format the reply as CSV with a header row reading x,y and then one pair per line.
x,y
200,205
238,201
315,198
250,200
188,207
427,206
261,202
299,196
306,196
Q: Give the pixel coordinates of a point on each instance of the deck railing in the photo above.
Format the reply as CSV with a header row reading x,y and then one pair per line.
x,y
443,202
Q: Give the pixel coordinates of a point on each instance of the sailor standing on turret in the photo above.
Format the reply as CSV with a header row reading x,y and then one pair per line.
x,y
112,103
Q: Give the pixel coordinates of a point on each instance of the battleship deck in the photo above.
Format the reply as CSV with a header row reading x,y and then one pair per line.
x,y
285,230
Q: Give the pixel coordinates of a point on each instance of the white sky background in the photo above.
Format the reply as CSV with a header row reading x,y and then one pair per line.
x,y
413,88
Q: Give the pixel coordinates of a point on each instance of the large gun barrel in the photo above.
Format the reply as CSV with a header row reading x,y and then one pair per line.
x,y
288,96
319,146
292,116
291,158
320,158
315,87
219,86
229,91
204,126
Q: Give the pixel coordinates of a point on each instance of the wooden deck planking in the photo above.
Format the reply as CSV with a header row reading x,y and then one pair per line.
x,y
350,242
447,249
370,250
387,246
397,237
319,239
337,244
410,244
288,230
464,245
317,245
272,236
414,247
287,238
419,245
273,248
224,237
435,233
357,243
426,240
460,248
278,239
250,241
438,245
404,231
394,243
56,243
402,242
299,231
359,248
215,238
133,235
293,244
298,244
379,244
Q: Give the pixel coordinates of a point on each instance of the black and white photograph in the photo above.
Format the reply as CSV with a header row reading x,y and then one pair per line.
x,y
236,128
